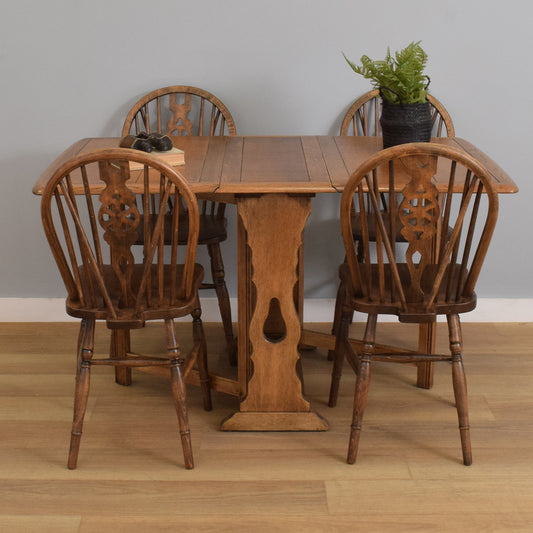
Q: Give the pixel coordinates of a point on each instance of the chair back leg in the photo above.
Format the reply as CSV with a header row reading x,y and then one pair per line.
x,y
218,276
343,319
120,346
201,356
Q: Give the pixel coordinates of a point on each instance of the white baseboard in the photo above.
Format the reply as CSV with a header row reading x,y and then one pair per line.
x,y
315,310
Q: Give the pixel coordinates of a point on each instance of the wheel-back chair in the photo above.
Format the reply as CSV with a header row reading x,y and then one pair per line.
x,y
182,110
92,236
446,229
362,119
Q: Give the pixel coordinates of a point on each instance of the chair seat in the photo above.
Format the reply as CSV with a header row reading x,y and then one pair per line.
x,y
212,229
415,312
126,313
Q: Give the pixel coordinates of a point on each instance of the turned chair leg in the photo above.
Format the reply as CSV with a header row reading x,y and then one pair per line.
x,y
218,274
459,386
201,358
83,374
341,330
179,393
341,338
120,346
361,388
180,402
337,315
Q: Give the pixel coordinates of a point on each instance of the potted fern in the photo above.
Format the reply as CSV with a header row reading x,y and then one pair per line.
x,y
400,78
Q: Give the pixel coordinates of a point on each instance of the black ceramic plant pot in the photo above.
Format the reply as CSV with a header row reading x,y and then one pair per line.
x,y
405,123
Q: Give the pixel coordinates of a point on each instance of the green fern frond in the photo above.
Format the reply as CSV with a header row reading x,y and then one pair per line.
x,y
402,73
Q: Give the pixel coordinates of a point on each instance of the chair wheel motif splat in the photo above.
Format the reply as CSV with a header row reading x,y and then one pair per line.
x,y
434,272
92,238
177,111
362,119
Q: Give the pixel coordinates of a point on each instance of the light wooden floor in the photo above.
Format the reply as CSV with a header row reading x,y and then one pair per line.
x,y
409,476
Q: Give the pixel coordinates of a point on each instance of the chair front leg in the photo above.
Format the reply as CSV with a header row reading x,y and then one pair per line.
x,y
83,374
361,388
180,402
179,393
459,385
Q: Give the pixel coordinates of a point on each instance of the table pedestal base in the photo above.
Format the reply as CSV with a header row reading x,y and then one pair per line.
x,y
261,421
270,239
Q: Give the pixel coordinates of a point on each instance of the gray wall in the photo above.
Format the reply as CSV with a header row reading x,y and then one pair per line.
x,y
71,69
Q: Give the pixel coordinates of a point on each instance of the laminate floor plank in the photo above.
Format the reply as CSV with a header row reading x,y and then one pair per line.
x,y
148,498
444,523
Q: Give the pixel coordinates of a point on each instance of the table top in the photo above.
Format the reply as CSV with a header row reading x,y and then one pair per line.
x,y
277,164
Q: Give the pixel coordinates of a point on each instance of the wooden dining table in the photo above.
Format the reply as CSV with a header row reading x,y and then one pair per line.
x,y
272,181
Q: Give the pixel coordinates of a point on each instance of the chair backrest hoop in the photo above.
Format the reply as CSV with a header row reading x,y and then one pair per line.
x,y
446,230
91,236
191,118
220,119
362,118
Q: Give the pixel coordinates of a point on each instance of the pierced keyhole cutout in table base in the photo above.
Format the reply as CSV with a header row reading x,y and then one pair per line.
x,y
274,329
